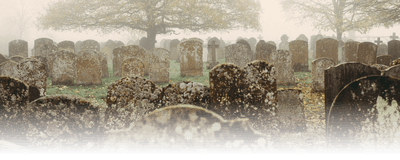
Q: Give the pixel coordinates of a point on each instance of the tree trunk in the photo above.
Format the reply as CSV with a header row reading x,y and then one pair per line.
x,y
339,35
151,38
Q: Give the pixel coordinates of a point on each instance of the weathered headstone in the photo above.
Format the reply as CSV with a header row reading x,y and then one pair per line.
x,y
173,46
64,68
120,43
393,71
395,62
357,117
145,43
317,73
313,45
132,67
107,51
291,111
124,52
33,72
237,54
78,47
366,53
350,51
302,37
88,68
18,47
17,58
284,45
299,49
381,67
191,56
67,45
8,68
213,61
382,49
282,61
185,92
167,44
249,51
90,45
327,47
104,66
3,59
209,49
384,59
221,49
159,66
44,46
264,51
394,49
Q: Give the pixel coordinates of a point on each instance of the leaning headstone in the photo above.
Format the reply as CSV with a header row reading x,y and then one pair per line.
x,y
393,71
18,47
64,68
67,45
384,59
226,89
159,66
3,59
327,47
14,96
191,56
264,51
284,45
337,77
132,67
173,46
382,49
90,45
8,68
17,58
185,92
44,46
282,61
299,49
350,51
366,53
394,49
356,116
237,54
88,68
33,72
317,73
291,111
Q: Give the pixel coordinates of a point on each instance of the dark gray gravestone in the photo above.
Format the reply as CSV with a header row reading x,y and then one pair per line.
x,y
394,49
350,51
209,49
366,53
384,59
382,49
327,47
299,50
355,117
67,45
264,51
18,47
337,77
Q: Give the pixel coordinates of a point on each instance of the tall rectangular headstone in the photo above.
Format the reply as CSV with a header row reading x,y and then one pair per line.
x,y
350,51
44,47
282,61
18,47
384,59
191,56
366,53
64,68
264,51
88,68
159,66
67,45
237,54
327,47
394,49
299,50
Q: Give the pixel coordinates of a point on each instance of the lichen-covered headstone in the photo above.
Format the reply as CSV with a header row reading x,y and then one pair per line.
x,y
237,54
394,48
18,47
124,52
44,46
191,56
88,68
132,67
185,92
14,96
67,45
3,59
382,49
366,53
393,71
17,58
130,97
291,110
327,47
350,51
212,52
63,122
395,62
384,59
264,51
381,67
282,61
226,89
33,72
104,66
356,118
8,68
317,73
299,49
159,66
64,68
90,45
173,46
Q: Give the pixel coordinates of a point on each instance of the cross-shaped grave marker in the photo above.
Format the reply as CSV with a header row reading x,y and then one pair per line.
x,y
378,41
394,37
213,60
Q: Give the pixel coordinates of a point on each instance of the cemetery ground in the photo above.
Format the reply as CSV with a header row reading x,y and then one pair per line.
x,y
313,102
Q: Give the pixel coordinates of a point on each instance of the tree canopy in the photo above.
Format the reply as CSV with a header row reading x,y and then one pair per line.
x,y
335,15
385,12
151,16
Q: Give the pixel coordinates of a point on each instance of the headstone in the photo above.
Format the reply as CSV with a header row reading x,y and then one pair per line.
x,y
67,45
49,65
64,68
144,42
107,51
132,67
350,51
394,49
282,61
299,49
382,49
337,77
130,95
317,73
209,49
356,116
14,96
253,42
78,47
291,111
167,44
366,53
8,68
88,68
213,61
284,45
237,54
173,46
159,66
191,56
185,92
131,42
395,62
302,37
249,51
381,67
18,47
44,46
272,43
327,47
313,46
221,49
3,59
120,43
264,51
90,45
17,58
124,52
393,71
104,66
33,72
384,59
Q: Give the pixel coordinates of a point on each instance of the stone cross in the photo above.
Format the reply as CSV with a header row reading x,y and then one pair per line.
x,y
394,37
213,47
378,41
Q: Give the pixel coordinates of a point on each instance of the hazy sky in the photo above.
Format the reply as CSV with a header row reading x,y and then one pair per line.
x,y
272,19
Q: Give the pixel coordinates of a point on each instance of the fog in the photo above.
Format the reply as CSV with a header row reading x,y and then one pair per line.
x,y
273,23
